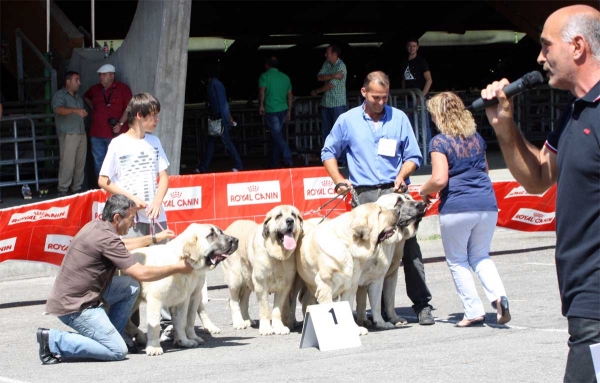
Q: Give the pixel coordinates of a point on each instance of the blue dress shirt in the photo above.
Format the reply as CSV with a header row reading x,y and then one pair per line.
x,y
355,132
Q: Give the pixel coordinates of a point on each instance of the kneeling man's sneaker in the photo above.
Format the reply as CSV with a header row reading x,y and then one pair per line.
x,y
425,317
43,339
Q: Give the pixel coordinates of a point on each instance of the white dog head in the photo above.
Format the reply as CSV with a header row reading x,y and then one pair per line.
x,y
281,229
372,224
411,212
206,245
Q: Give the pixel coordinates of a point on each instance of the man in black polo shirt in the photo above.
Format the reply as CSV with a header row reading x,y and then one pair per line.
x,y
571,157
416,74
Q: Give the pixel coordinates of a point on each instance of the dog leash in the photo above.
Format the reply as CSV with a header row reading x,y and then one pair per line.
x,y
153,230
342,195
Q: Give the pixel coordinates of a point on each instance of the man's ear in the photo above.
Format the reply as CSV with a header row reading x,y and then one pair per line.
x,y
579,44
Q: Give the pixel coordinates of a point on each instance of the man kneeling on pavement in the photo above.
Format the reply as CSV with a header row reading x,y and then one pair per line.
x,y
89,298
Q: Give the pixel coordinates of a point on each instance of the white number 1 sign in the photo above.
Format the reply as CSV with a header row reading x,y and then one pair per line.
x,y
329,326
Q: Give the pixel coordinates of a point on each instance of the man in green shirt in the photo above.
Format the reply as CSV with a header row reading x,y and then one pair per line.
x,y
275,104
69,111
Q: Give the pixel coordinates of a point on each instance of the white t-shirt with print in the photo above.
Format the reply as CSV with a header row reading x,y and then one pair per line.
x,y
133,165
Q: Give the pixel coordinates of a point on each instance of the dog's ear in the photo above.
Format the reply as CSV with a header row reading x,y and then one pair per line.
x,y
399,201
190,247
298,215
360,228
266,230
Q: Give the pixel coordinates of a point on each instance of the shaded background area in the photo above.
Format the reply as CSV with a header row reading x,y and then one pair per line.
x,y
308,25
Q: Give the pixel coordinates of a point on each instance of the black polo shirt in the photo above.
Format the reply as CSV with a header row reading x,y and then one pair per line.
x,y
577,145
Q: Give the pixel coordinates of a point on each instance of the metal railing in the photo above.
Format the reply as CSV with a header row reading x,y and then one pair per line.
x,y
536,114
20,71
21,151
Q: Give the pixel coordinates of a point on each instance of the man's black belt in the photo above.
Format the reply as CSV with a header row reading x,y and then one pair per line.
x,y
361,189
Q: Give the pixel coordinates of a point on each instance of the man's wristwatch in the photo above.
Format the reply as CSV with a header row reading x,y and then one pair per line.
x,y
120,124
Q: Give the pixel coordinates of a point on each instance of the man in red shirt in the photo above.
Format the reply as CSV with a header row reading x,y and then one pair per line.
x,y
108,101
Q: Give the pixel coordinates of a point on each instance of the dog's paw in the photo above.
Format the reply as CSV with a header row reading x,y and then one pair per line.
x,y
283,330
154,351
362,331
384,325
212,329
399,321
241,325
364,323
198,340
266,330
187,343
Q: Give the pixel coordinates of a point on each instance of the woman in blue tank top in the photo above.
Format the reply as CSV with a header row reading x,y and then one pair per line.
x,y
468,208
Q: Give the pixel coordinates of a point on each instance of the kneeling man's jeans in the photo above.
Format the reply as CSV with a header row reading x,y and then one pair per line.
x,y
99,332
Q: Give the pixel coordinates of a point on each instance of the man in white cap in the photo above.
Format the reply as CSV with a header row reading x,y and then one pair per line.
x,y
108,101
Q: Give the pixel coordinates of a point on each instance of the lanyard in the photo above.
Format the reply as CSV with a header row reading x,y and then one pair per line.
x,y
107,100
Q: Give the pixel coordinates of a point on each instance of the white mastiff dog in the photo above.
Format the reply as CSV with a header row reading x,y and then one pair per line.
x,y
203,246
386,262
333,254
264,263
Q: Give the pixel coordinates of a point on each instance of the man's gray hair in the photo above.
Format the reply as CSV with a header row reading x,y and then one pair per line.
x,y
116,204
378,77
587,26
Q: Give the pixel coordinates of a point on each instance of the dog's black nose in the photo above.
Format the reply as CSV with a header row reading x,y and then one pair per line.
x,y
289,221
421,206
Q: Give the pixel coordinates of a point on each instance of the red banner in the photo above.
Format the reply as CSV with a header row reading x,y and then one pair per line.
x,y
43,231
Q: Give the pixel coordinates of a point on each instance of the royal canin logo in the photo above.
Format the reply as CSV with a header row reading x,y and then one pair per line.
x,y
519,191
252,193
38,215
318,187
97,209
56,243
533,217
183,198
8,245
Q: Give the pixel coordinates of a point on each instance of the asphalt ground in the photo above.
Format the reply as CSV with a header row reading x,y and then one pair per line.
x,y
531,348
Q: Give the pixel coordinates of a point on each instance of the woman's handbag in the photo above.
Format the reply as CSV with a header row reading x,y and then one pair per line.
x,y
215,127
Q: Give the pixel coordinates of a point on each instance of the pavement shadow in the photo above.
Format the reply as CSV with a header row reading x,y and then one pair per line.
x,y
11,305
495,253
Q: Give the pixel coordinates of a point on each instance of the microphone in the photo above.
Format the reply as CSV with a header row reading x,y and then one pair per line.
x,y
529,81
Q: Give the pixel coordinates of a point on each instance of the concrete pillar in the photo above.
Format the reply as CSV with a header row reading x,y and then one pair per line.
x,y
152,58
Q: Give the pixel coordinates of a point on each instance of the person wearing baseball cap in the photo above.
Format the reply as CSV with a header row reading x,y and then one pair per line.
x,y
108,101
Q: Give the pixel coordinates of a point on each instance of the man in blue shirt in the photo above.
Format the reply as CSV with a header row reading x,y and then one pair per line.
x,y
219,109
382,152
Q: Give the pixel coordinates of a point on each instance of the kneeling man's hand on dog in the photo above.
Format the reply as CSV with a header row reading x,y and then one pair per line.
x,y
184,267
170,234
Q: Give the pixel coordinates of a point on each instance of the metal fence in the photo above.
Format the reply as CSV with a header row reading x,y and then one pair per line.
x,y
536,114
28,150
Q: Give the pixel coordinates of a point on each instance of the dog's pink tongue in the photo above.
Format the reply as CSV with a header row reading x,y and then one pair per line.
x,y
289,242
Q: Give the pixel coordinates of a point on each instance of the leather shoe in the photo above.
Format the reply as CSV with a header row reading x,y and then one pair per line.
x,y
43,339
471,323
425,317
